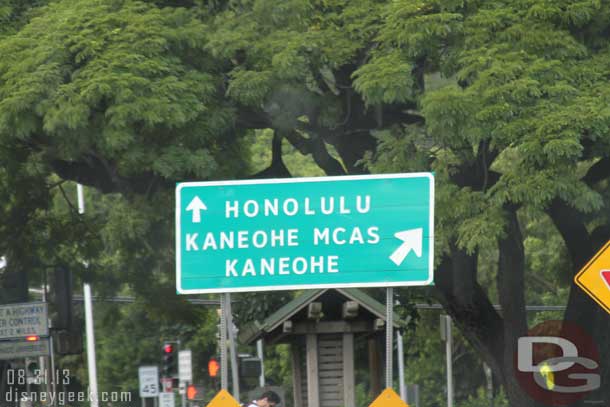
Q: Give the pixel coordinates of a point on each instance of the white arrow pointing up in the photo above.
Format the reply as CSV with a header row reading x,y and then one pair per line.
x,y
412,239
196,206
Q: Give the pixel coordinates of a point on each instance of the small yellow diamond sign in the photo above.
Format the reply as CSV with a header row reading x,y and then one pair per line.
x,y
388,398
223,399
594,278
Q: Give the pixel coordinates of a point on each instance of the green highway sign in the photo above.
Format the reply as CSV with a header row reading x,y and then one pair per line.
x,y
283,234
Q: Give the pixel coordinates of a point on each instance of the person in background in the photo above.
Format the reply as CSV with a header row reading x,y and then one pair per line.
x,y
267,399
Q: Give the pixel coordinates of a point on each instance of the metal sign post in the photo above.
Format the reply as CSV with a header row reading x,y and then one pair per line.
x,y
389,334
54,378
224,366
185,372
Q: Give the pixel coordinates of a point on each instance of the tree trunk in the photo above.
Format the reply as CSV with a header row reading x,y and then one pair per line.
x,y
581,309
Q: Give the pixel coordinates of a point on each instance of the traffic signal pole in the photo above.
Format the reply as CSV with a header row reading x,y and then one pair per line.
x,y
43,359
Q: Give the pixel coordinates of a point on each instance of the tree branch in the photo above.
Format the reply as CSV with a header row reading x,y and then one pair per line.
x,y
252,119
474,313
477,174
102,175
317,148
511,288
511,277
598,172
277,169
63,193
572,228
90,174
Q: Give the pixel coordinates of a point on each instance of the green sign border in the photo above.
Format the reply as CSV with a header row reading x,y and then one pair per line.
x,y
268,181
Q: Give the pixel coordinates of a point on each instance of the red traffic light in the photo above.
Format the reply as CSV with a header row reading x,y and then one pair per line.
x,y
191,392
32,338
213,367
195,393
168,348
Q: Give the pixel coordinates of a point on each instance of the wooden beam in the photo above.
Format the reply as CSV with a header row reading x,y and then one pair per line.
x,y
374,367
349,394
313,388
331,327
297,383
379,324
314,310
350,310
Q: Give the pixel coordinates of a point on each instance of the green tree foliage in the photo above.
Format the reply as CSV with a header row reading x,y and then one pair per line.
x,y
519,142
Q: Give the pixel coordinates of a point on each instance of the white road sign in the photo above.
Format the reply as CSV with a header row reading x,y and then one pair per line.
x,y
185,366
149,381
166,400
23,349
21,320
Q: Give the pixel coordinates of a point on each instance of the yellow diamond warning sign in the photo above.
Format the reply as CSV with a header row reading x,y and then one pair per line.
x,y
594,278
223,399
388,398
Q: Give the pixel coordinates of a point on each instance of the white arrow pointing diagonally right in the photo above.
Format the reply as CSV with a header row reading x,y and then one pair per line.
x,y
196,206
412,239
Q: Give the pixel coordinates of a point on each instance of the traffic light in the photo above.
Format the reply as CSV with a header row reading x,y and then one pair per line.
x,y
170,359
68,343
195,393
62,299
250,367
32,371
31,367
213,367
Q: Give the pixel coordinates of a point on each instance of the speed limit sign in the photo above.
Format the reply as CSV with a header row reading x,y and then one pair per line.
x,y
149,381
